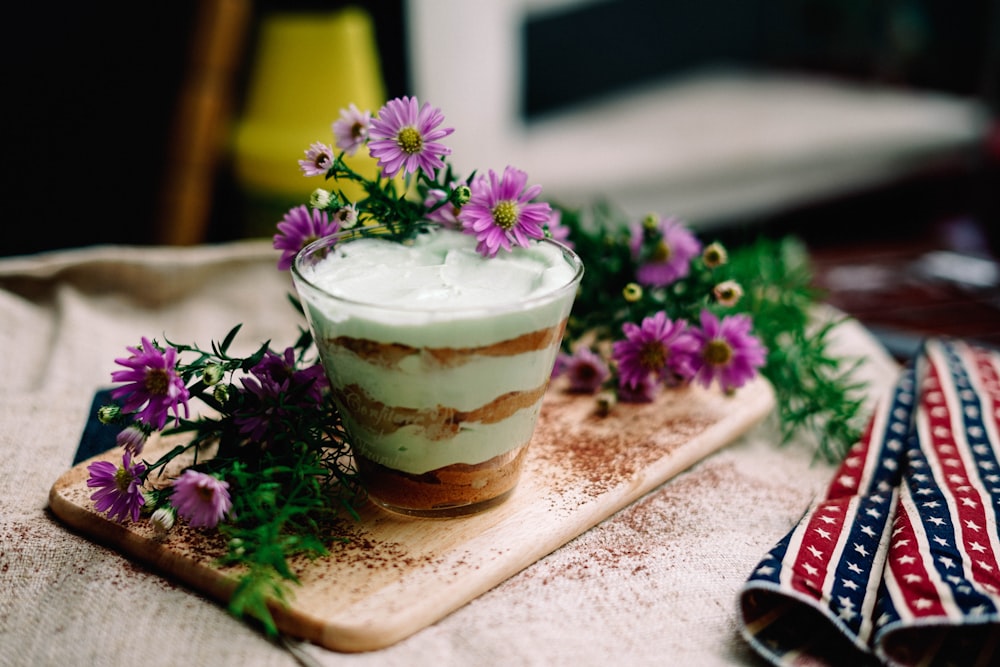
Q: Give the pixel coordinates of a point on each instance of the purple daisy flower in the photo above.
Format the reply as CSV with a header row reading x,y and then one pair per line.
x,y
119,490
283,371
299,228
153,386
644,391
201,499
404,136
726,351
255,420
659,347
277,385
319,159
586,370
351,129
499,213
666,256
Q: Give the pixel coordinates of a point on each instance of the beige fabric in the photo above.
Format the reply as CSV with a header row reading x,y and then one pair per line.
x,y
655,584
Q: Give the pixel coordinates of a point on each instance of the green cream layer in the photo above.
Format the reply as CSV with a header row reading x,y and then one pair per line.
x,y
409,450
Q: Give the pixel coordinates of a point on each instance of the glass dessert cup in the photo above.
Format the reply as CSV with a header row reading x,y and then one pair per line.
x,y
438,364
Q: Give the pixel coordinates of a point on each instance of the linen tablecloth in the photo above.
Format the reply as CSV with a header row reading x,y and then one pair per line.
x,y
657,583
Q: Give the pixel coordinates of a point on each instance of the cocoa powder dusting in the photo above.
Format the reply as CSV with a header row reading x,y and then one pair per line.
x,y
604,452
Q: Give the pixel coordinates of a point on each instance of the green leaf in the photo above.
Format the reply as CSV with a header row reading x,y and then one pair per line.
x,y
229,338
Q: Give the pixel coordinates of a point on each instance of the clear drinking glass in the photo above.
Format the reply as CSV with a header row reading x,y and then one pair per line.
x,y
440,399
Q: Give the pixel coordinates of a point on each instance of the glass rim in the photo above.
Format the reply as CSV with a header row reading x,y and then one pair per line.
x,y
358,232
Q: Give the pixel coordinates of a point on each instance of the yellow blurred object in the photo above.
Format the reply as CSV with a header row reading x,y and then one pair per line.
x,y
308,67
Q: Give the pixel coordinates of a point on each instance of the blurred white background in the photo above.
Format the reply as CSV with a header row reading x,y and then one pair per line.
x,y
718,139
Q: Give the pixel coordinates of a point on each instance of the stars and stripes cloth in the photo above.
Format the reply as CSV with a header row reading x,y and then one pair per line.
x,y
899,563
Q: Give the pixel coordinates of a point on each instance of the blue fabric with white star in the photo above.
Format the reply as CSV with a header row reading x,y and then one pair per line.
x,y
898,563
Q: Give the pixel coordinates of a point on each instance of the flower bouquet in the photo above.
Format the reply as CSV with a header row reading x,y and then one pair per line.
x,y
272,459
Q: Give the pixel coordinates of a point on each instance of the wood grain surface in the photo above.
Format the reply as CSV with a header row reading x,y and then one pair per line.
x,y
396,575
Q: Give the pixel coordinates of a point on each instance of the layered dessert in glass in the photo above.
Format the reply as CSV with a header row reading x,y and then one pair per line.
x,y
438,358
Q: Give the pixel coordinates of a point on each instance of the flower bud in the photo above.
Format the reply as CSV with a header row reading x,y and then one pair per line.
x,y
212,374
221,393
236,546
347,216
320,199
162,520
728,292
109,414
132,438
460,195
714,255
632,292
605,403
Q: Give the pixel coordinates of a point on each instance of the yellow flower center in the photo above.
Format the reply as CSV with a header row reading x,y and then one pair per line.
x,y
122,479
653,357
410,140
505,214
661,253
717,352
156,382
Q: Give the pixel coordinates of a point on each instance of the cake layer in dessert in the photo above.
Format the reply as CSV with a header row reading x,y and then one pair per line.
x,y
416,441
453,486
463,379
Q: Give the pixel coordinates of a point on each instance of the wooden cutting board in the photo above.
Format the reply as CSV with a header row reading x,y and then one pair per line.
x,y
397,575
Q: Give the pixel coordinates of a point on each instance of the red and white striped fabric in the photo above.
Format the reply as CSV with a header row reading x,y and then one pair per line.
x,y
899,563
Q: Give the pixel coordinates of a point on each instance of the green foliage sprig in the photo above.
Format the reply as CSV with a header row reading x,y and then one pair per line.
x,y
281,450
816,392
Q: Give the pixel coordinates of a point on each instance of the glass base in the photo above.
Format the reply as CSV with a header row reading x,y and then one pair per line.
x,y
456,490
445,511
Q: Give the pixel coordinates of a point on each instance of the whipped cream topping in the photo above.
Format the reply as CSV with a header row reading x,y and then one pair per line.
x,y
441,270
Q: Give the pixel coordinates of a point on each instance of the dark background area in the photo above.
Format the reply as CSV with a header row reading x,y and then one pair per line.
x,y
93,88
606,47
